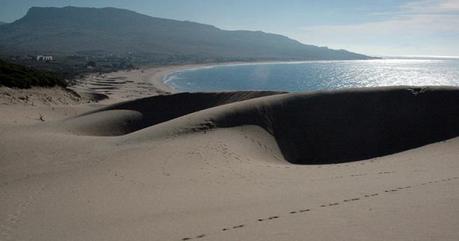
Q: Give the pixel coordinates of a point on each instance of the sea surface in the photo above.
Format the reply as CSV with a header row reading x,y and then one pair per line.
x,y
317,75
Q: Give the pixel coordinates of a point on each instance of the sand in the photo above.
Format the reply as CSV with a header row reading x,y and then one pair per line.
x,y
220,166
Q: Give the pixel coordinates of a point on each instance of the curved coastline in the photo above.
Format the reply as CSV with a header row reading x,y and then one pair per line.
x,y
299,76
154,80
170,71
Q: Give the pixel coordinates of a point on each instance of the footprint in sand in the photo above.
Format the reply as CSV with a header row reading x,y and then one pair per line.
x,y
327,205
238,226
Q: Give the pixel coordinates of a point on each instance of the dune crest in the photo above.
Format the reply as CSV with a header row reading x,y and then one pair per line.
x,y
310,128
349,125
126,117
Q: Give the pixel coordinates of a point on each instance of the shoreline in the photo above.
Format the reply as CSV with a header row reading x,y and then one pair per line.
x,y
146,81
152,80
132,84
161,73
159,79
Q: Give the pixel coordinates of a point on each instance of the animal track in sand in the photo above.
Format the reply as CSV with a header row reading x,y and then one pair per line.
x,y
354,175
300,211
332,204
268,218
238,226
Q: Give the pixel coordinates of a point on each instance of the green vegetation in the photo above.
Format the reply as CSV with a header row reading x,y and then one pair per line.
x,y
14,75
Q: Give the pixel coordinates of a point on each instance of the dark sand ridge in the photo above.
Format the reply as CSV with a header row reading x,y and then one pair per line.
x,y
349,125
310,128
130,116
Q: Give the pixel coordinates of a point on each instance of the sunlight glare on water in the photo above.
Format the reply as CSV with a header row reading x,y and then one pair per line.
x,y
316,75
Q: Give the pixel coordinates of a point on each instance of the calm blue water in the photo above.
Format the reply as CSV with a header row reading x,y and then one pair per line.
x,y
316,75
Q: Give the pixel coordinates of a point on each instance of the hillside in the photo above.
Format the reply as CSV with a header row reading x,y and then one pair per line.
x,y
105,31
13,75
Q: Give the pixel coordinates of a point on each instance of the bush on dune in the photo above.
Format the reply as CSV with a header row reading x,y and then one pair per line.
x,y
18,76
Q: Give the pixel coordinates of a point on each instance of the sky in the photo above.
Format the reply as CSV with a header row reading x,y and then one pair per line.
x,y
373,27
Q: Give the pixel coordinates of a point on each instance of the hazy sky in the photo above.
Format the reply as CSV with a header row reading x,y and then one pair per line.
x,y
375,27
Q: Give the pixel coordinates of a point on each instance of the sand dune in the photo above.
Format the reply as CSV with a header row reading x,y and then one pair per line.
x,y
130,116
221,166
323,127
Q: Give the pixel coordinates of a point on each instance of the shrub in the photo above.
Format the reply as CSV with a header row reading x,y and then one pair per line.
x,y
18,76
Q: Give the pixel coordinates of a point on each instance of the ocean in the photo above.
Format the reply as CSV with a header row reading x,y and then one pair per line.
x,y
317,75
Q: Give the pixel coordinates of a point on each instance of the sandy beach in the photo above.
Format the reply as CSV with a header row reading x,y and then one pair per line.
x,y
124,157
127,85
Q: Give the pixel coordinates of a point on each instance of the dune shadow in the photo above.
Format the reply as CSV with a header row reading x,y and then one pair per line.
x,y
322,127
130,116
355,124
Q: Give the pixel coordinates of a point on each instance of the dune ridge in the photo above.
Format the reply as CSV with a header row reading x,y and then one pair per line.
x,y
310,128
349,125
126,117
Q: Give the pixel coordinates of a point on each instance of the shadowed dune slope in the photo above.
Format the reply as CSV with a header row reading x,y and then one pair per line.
x,y
355,124
310,128
130,116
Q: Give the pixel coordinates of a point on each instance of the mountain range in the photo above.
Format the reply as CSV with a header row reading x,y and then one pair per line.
x,y
86,31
